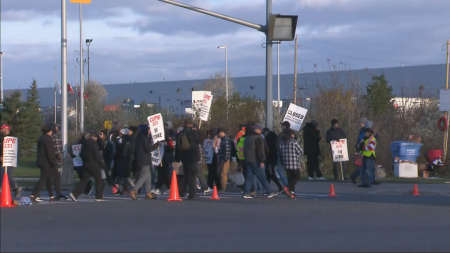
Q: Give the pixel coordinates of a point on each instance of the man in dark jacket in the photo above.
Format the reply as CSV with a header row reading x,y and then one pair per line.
x,y
189,157
6,131
335,133
56,174
254,157
311,139
47,163
143,157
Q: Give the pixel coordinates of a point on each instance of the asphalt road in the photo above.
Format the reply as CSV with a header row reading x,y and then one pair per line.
x,y
312,222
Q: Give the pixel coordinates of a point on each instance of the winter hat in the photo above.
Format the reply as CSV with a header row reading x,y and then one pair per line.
x,y
169,124
266,130
179,129
286,124
221,129
362,121
258,126
124,131
133,129
314,123
46,130
334,122
369,124
188,121
142,128
369,130
4,126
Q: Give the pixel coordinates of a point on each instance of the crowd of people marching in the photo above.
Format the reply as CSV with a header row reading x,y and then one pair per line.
x,y
122,159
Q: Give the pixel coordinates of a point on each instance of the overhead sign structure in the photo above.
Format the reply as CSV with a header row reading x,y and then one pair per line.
x,y
339,150
208,150
444,100
295,115
156,125
81,1
282,27
76,149
10,145
206,107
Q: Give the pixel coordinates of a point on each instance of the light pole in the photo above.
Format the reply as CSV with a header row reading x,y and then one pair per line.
x,y
1,72
226,70
88,43
81,73
64,123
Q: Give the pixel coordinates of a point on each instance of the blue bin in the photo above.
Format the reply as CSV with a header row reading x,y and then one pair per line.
x,y
406,150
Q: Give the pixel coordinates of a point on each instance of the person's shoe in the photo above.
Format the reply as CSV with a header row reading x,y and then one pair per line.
x,y
353,180
36,199
118,193
18,192
88,193
53,199
72,197
321,178
166,192
376,183
293,196
184,195
63,197
100,200
247,196
133,195
253,194
345,178
198,187
115,189
156,192
286,191
311,179
150,196
206,192
271,195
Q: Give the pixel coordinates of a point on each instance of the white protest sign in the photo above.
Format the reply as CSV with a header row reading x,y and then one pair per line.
x,y
197,99
207,100
77,162
295,115
10,151
208,150
157,155
339,150
156,125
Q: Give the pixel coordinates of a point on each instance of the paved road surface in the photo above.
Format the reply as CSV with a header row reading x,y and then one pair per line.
x,y
312,222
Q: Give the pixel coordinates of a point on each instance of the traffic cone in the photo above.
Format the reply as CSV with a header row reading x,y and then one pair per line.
x,y
6,193
115,189
174,195
416,190
215,196
332,193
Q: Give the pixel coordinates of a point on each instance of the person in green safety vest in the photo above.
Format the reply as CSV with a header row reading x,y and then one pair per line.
x,y
368,146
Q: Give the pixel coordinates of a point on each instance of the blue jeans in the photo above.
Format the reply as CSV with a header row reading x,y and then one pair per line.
x,y
255,169
357,173
367,170
281,173
12,182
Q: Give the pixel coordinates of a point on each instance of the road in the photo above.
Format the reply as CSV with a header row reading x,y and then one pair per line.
x,y
312,222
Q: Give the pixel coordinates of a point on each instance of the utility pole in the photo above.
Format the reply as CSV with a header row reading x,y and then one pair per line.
x,y
76,103
88,44
1,73
81,74
278,77
446,113
64,125
55,95
269,70
295,72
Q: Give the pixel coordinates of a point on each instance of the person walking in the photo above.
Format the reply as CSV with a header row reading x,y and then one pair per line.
x,y
271,162
47,162
5,131
200,173
108,158
143,157
311,139
56,174
254,158
164,168
213,175
280,170
125,160
92,167
335,133
368,146
187,151
289,152
224,156
236,141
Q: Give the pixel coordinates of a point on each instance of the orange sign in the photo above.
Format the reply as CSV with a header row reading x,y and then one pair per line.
x,y
81,1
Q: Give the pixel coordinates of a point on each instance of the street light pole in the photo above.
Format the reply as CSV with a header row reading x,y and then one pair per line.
x,y
81,74
269,71
64,125
226,70
278,69
1,72
55,95
88,43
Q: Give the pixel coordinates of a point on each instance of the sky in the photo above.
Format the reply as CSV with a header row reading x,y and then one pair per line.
x,y
147,40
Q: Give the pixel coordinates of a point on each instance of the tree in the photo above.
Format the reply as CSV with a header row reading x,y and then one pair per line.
x,y
216,84
33,118
94,107
379,96
13,116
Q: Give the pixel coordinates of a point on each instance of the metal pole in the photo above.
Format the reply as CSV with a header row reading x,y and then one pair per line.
x,y
1,72
55,95
64,125
269,71
446,113
278,69
295,72
81,74
88,60
76,104
226,72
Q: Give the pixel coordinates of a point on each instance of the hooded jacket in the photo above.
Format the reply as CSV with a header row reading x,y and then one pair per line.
x,y
193,154
253,147
311,138
143,148
46,158
335,134
271,140
289,152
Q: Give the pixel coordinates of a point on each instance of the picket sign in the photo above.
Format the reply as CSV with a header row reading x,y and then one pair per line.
x,y
157,154
339,153
206,107
208,150
295,115
77,162
10,145
156,124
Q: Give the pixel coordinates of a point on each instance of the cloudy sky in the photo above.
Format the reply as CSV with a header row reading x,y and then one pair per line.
x,y
147,40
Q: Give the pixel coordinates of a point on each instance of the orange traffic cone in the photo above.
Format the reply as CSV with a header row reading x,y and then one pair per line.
x,y
332,193
416,190
174,196
6,193
215,196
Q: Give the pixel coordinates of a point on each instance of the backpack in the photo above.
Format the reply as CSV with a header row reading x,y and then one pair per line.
x,y
183,142
240,148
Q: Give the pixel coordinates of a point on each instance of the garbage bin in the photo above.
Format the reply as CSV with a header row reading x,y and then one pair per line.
x,y
406,150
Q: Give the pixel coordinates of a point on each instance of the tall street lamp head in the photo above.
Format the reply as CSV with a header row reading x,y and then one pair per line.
x,y
221,47
88,41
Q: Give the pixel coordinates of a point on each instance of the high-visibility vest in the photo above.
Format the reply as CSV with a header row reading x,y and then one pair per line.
x,y
369,153
240,148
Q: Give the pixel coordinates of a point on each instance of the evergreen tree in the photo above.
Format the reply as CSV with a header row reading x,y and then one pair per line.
x,y
379,96
13,115
33,118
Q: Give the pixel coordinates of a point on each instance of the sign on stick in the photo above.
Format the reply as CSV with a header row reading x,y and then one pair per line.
x,y
156,125
339,150
295,115
10,151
